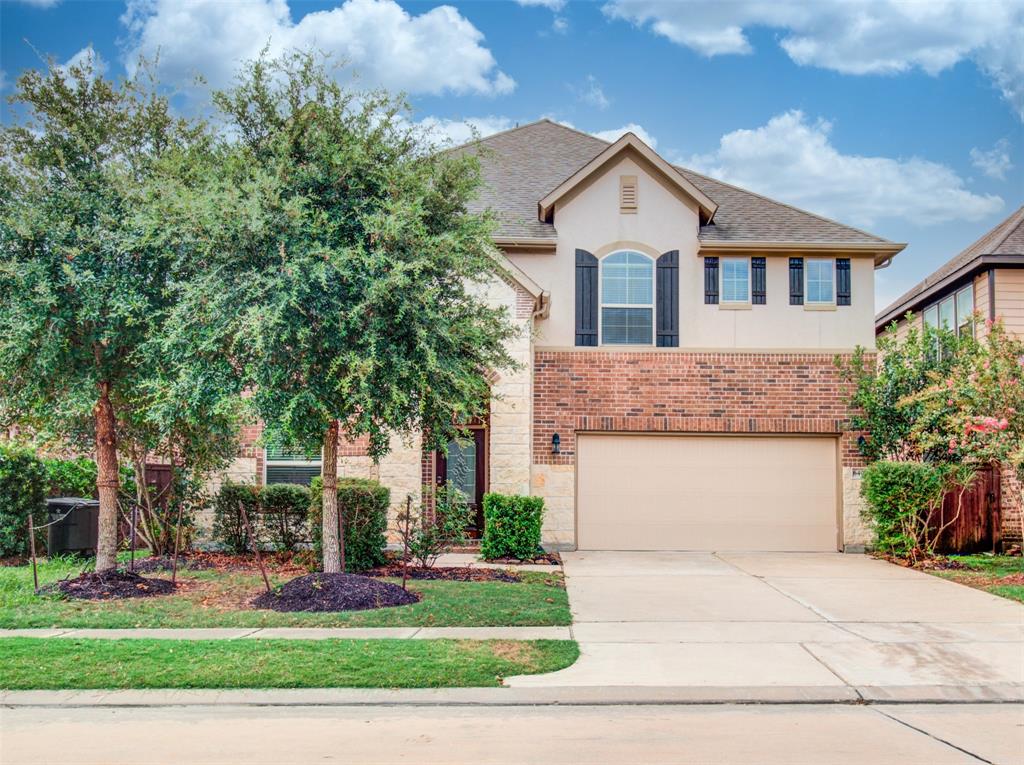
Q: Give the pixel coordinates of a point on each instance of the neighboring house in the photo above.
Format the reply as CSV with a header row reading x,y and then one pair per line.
x,y
987,281
678,387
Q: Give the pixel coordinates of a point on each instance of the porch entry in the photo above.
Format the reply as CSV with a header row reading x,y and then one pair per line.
x,y
465,467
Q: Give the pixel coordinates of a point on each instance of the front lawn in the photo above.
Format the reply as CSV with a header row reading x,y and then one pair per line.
x,y
33,663
221,599
1001,575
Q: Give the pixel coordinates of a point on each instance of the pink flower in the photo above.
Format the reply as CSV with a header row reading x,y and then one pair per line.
x,y
949,402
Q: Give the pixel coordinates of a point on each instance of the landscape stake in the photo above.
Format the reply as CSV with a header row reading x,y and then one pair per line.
x,y
255,544
32,551
177,541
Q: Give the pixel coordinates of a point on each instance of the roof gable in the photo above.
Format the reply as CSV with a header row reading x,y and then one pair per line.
x,y
626,144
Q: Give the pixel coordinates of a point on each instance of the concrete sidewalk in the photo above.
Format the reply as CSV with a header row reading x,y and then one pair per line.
x,y
302,633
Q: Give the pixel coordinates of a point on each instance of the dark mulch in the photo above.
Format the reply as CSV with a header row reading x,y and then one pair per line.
x,y
544,559
334,592
111,585
450,573
166,563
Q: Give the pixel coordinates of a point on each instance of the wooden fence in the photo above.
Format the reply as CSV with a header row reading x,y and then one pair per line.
x,y
977,528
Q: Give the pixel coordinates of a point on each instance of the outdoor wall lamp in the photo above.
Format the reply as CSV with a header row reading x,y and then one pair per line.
x,y
556,442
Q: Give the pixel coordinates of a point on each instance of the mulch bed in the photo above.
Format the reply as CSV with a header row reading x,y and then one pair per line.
x,y
544,559
111,585
166,563
334,592
449,573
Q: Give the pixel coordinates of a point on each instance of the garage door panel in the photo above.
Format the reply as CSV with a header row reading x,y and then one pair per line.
x,y
642,492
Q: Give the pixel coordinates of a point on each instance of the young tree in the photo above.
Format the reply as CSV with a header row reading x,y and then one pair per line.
x,y
82,289
882,386
343,287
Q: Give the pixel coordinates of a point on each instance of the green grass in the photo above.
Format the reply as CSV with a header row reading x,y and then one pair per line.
x,y
221,599
33,663
997,574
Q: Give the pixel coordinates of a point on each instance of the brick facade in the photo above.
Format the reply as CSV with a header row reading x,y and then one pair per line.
x,y
684,392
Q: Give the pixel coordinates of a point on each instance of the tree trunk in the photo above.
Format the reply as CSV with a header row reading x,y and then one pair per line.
x,y
329,475
106,480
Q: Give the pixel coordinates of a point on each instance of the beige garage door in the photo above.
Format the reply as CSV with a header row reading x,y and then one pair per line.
x,y
647,492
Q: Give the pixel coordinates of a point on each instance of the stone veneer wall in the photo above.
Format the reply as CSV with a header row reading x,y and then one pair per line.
x,y
1011,508
682,392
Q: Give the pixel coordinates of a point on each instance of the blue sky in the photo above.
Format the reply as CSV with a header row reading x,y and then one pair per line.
x,y
903,118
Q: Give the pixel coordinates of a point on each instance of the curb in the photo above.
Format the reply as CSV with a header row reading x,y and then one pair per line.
x,y
595,696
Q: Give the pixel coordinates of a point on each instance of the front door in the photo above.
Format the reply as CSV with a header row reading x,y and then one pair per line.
x,y
465,468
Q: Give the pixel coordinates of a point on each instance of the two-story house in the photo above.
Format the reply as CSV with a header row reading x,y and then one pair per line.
x,y
985,281
678,388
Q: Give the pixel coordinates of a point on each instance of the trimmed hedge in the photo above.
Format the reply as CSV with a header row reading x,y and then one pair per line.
x,y
228,528
284,513
23,484
898,496
364,507
72,477
512,526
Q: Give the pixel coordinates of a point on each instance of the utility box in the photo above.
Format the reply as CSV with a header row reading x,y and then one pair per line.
x,y
75,525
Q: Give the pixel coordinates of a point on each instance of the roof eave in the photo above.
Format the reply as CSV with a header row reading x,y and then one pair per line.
x,y
969,269
883,251
526,243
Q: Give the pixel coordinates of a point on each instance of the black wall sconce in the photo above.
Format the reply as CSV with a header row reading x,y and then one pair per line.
x,y
556,443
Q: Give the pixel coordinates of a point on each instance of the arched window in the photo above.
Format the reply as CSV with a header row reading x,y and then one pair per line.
x,y
627,299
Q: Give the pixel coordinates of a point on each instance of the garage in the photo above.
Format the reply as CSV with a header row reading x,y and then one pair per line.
x,y
692,492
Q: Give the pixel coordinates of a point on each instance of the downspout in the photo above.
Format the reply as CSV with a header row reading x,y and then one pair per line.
x,y
992,294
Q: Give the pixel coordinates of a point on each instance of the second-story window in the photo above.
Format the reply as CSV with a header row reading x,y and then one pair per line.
x,y
820,275
627,299
735,280
953,312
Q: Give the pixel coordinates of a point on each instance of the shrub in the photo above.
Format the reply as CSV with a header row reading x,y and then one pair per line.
x,y
512,526
228,528
364,508
284,514
426,535
71,477
23,484
901,497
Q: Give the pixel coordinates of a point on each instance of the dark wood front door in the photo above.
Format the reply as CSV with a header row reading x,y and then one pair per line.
x,y
465,467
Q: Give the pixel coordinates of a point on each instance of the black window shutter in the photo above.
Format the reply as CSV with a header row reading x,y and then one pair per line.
x,y
842,281
667,297
758,290
796,281
711,280
587,299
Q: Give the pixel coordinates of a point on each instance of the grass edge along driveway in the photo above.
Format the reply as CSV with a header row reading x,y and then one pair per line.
x,y
71,664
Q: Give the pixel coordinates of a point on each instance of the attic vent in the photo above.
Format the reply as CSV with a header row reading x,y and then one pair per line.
x,y
627,193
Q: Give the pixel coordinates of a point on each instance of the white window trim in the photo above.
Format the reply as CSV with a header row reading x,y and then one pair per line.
x,y
955,295
807,274
721,282
601,305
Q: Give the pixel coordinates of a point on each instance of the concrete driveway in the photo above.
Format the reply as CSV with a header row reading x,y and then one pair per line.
x,y
786,626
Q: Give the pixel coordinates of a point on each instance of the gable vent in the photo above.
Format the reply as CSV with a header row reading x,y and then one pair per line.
x,y
627,193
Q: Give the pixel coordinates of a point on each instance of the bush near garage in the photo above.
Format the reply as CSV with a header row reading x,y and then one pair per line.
x,y
364,507
900,498
23,483
512,526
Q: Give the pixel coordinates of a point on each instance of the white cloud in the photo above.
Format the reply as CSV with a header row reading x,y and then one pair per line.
x,y
793,160
447,132
854,36
434,52
593,94
613,135
85,56
995,163
40,3
560,25
554,5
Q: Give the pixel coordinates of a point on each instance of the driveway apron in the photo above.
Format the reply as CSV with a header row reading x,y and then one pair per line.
x,y
809,622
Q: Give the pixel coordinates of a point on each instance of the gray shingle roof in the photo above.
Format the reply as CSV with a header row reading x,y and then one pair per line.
x,y
520,166
1007,238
